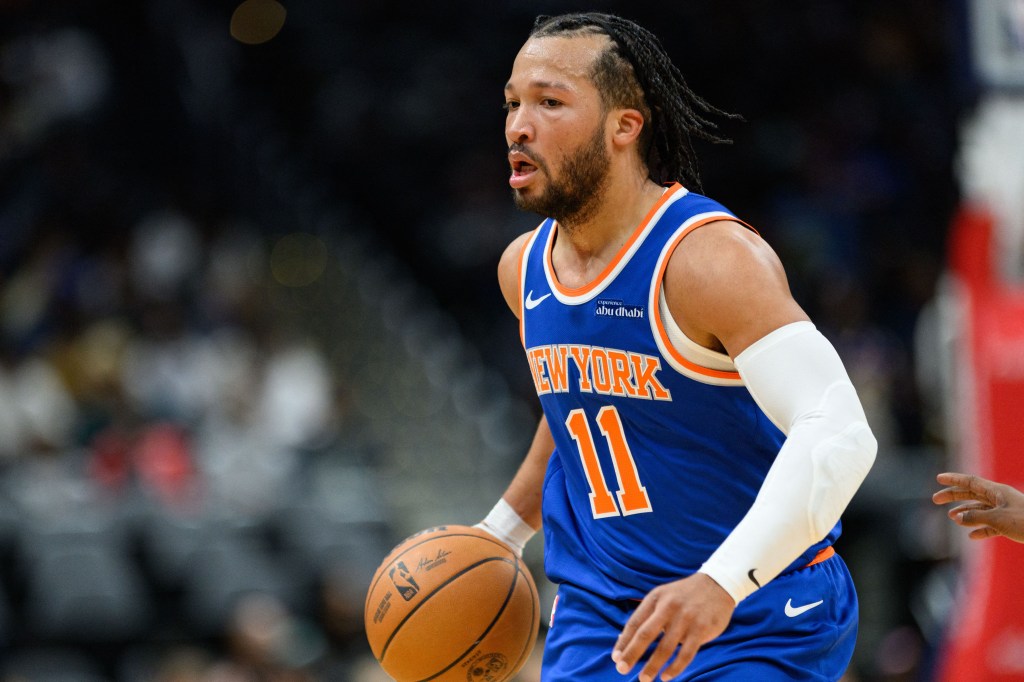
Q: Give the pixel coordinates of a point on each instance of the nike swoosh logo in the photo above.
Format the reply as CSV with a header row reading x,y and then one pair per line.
x,y
794,611
750,574
532,302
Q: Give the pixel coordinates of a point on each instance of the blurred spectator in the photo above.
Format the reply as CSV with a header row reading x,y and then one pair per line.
x,y
53,75
36,412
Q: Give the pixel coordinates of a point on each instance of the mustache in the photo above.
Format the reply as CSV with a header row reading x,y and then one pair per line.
x,y
523,149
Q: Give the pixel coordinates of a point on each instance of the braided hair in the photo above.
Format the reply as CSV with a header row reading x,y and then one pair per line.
x,y
637,73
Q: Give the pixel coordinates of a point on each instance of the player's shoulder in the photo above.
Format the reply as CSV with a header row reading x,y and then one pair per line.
x,y
722,248
514,250
508,269
510,258
725,287
725,233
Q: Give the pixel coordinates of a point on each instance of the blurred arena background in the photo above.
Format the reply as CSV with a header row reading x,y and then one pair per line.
x,y
251,336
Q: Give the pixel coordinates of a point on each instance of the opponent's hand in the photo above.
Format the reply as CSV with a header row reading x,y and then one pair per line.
x,y
686,613
995,508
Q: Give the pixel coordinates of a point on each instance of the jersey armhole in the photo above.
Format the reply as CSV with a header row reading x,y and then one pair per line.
x,y
687,347
682,353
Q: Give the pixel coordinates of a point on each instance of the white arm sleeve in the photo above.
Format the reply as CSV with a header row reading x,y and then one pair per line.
x,y
798,380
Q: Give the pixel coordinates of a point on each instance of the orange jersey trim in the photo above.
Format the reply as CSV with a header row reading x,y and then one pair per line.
x,y
610,268
823,555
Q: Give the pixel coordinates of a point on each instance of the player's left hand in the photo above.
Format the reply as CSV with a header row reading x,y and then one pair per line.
x,y
686,613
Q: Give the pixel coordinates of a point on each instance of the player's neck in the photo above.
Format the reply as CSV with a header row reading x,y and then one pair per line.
x,y
623,207
583,249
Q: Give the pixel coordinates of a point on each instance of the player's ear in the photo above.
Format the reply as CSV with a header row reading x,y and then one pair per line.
x,y
627,125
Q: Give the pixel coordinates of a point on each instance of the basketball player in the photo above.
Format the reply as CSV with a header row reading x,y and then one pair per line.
x,y
995,508
700,437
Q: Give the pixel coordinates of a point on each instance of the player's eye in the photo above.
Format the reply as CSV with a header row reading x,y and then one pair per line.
x,y
550,103
510,105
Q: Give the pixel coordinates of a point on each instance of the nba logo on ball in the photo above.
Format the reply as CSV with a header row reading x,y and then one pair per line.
x,y
404,582
469,610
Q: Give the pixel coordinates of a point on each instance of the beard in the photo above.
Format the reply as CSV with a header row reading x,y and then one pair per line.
x,y
575,194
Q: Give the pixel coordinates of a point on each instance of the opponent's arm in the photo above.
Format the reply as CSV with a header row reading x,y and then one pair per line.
x,y
727,290
989,508
517,515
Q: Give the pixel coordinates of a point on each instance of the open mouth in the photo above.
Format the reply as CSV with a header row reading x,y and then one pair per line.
x,y
522,169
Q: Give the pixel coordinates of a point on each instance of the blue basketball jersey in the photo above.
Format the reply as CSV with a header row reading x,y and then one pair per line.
x,y
658,453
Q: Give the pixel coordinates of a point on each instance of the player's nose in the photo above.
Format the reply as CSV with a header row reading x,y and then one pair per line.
x,y
518,127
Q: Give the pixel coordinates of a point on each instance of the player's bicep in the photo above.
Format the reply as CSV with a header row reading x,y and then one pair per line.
x,y
726,287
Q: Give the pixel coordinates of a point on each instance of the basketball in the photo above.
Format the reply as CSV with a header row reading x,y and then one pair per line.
x,y
452,603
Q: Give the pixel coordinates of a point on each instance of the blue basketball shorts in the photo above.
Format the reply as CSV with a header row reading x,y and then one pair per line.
x,y
800,626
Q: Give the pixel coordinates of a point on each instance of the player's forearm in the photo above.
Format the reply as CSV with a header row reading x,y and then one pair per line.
x,y
524,492
517,515
800,383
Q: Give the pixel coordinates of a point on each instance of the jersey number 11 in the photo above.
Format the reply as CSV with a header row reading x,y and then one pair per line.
x,y
631,494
